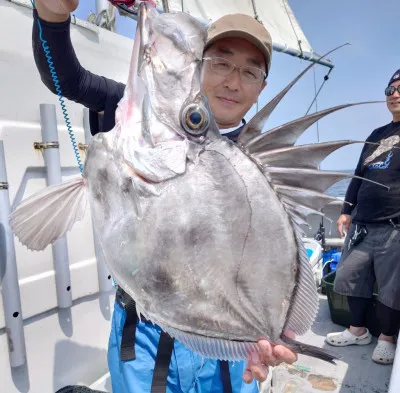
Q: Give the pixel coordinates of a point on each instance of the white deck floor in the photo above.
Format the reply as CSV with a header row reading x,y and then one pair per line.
x,y
355,372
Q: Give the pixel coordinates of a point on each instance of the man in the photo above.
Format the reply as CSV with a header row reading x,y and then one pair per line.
x,y
139,353
372,247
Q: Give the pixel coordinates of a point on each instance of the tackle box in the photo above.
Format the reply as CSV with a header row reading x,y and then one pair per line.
x,y
339,308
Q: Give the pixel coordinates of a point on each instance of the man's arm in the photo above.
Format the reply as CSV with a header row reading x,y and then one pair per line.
x,y
344,221
76,83
351,196
354,186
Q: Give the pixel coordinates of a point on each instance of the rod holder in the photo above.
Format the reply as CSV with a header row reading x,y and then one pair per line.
x,y
51,154
9,275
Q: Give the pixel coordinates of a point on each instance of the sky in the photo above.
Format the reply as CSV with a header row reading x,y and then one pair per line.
x,y
362,70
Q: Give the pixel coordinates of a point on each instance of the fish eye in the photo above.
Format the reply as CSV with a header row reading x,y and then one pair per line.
x,y
195,119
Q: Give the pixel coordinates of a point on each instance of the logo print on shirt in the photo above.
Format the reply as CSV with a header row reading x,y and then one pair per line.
x,y
382,164
385,146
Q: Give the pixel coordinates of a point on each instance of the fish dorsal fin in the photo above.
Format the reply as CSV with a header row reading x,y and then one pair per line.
x,y
312,179
303,156
255,125
287,134
312,199
304,302
298,216
301,210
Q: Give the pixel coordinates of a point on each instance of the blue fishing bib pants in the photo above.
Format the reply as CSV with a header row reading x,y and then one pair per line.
x,y
187,373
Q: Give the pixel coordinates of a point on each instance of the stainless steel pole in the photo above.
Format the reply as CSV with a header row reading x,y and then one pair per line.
x,y
9,275
51,153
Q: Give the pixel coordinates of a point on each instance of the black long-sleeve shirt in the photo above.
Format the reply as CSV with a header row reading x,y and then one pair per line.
x,y
376,203
77,84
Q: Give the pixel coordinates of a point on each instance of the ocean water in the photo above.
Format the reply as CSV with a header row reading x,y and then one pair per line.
x,y
339,189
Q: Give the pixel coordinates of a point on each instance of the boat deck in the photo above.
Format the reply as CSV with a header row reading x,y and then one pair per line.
x,y
355,372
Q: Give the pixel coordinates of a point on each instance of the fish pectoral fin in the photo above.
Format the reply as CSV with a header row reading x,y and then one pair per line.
x,y
49,214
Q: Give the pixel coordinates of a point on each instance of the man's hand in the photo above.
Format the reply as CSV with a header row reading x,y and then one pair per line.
x,y
267,355
55,10
343,222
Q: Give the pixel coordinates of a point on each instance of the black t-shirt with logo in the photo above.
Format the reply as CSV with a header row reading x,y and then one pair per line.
x,y
379,164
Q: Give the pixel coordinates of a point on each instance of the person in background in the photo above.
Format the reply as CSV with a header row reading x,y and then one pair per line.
x,y
372,247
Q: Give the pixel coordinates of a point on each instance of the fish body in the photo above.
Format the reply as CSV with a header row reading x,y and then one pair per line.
x,y
204,234
182,221
204,259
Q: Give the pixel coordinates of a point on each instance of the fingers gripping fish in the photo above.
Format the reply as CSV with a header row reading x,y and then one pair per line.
x,y
193,226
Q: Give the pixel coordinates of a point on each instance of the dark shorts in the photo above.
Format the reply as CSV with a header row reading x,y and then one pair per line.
x,y
377,257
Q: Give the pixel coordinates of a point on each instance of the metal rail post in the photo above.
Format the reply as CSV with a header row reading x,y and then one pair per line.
x,y
9,275
51,154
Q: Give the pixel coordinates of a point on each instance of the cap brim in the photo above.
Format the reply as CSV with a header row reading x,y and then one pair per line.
x,y
246,36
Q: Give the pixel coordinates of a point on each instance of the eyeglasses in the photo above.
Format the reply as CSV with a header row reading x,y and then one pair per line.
x,y
389,91
224,67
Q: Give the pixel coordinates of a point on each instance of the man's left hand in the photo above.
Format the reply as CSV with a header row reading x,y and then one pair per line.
x,y
267,355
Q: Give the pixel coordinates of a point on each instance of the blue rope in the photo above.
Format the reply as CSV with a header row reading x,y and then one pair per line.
x,y
59,93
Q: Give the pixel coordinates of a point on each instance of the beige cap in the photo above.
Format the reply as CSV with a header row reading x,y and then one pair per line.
x,y
242,26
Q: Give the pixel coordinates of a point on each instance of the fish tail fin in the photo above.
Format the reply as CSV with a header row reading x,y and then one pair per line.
x,y
49,214
309,350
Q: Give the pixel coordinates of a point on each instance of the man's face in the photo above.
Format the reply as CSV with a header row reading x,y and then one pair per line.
x,y
229,97
393,102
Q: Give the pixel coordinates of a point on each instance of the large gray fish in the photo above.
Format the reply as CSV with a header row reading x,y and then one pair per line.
x,y
202,233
